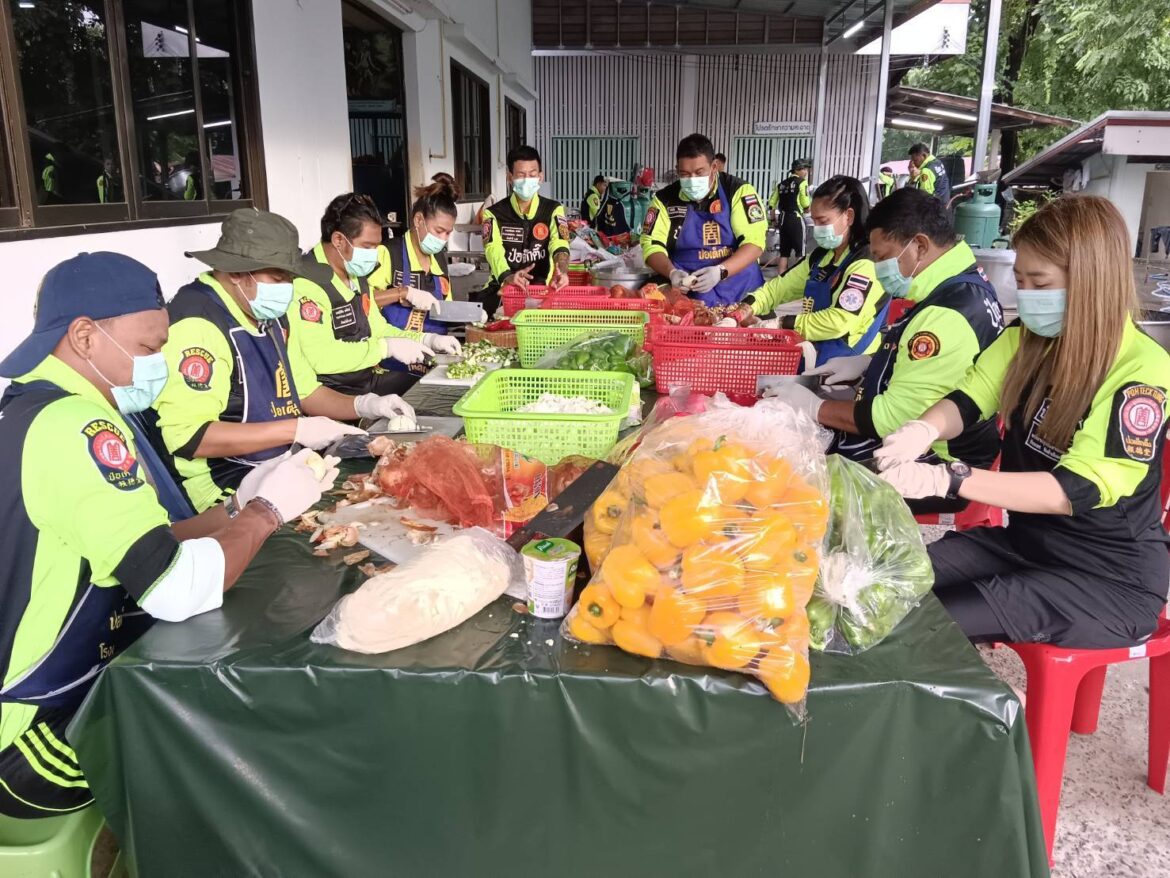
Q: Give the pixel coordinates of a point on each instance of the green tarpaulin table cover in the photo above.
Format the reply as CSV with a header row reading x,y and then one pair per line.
x,y
229,745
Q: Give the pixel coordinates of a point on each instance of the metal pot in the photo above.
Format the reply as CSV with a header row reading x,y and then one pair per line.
x,y
631,280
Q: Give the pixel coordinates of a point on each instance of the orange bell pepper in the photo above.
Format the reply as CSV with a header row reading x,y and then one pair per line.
x,y
660,488
769,485
598,607
690,651
651,540
785,672
729,467
769,541
674,615
596,544
712,571
640,616
688,519
631,481
731,641
632,637
768,597
629,575
581,629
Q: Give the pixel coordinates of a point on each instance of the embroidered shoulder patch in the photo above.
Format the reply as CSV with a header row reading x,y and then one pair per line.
x,y
310,311
111,453
753,208
651,219
195,367
487,231
1136,422
923,346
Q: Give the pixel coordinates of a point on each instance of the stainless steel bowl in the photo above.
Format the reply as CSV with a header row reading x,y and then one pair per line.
x,y
631,280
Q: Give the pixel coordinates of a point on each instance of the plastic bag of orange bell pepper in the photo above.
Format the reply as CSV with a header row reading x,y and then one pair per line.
x,y
706,546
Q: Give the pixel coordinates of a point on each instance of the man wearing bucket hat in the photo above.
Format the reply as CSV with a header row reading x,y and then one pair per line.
x,y
238,395
90,557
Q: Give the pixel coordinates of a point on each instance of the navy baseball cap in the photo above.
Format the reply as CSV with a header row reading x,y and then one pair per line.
x,y
94,285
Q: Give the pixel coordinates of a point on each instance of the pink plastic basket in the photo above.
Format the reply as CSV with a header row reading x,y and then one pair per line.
x,y
516,300
711,359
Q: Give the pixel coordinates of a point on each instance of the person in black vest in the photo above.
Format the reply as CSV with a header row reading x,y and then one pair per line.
x,y
929,174
789,203
526,237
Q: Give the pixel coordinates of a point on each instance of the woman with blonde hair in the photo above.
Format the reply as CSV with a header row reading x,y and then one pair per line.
x,y
1082,393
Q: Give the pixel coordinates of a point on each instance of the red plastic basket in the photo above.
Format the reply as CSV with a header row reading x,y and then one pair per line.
x,y
579,278
711,359
515,299
596,303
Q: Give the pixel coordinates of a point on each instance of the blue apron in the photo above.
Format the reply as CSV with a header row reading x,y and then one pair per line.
x,y
819,288
706,239
403,316
265,378
103,621
170,495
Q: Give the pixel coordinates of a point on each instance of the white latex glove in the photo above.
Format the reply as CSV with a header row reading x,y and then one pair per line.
x,y
800,398
292,486
916,480
322,432
407,350
808,354
705,279
680,279
442,344
420,299
906,444
842,370
370,405
728,321
247,489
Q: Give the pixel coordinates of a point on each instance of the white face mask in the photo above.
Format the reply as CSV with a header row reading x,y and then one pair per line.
x,y
148,378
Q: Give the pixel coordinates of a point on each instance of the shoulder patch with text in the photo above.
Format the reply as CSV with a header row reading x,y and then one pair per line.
x,y
310,311
195,367
852,297
111,453
755,211
1136,422
923,346
487,231
651,219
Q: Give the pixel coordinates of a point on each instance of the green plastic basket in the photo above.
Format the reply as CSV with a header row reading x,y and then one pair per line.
x,y
489,412
540,330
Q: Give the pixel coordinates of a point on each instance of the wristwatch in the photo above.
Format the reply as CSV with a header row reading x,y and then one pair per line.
x,y
232,506
722,272
959,472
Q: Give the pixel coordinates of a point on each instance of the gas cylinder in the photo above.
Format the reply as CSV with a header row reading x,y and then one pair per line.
x,y
977,219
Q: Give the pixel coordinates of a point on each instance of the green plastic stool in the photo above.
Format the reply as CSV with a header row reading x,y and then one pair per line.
x,y
51,847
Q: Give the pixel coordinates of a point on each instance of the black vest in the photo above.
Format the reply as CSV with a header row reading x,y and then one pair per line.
x,y
526,240
786,192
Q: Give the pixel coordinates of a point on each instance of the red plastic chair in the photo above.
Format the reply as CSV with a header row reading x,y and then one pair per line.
x,y
1064,694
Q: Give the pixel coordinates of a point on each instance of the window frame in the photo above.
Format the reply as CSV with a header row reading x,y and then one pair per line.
x,y
510,107
30,220
459,71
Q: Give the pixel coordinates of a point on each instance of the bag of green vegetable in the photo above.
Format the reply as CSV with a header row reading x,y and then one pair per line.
x,y
875,568
601,352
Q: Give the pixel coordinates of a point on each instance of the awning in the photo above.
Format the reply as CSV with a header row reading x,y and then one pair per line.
x,y
939,113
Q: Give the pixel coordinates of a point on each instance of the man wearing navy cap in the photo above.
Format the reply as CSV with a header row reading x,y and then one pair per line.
x,y
90,557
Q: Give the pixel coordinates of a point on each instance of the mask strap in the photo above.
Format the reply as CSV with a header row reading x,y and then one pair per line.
x,y
118,346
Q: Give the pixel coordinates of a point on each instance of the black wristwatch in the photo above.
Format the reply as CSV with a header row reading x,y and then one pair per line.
x,y
722,272
959,473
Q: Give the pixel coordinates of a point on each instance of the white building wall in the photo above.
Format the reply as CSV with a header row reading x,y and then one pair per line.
x,y
1112,177
301,81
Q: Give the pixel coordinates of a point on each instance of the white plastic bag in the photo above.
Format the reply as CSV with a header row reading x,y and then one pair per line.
x,y
439,588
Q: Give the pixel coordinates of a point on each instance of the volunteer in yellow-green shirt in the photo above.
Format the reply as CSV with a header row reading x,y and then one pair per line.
x,y
706,231
92,554
844,305
788,204
237,396
526,237
925,353
334,323
929,174
1083,394
885,182
591,204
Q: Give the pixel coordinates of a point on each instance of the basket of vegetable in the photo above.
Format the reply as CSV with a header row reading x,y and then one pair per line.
x,y
547,414
516,299
501,333
711,359
539,330
480,357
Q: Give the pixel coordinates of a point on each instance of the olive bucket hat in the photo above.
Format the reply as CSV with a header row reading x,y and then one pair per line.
x,y
252,240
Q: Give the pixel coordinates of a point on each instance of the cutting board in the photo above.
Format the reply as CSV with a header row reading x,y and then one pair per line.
x,y
384,531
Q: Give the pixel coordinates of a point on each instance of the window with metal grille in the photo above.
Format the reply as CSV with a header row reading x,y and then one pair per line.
x,y
123,111
516,124
471,126
577,160
765,161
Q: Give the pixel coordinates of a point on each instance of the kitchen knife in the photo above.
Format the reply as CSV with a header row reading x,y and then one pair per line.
x,y
448,311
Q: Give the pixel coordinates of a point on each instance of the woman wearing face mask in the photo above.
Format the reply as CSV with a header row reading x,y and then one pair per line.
x,y
1082,393
845,305
335,324
412,271
237,396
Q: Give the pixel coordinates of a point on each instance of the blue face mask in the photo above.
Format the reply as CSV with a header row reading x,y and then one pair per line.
x,y
148,378
362,261
890,276
525,187
430,243
827,236
1042,311
271,300
695,188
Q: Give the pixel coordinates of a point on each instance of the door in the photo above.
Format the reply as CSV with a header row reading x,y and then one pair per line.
x,y
765,161
577,160
377,111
